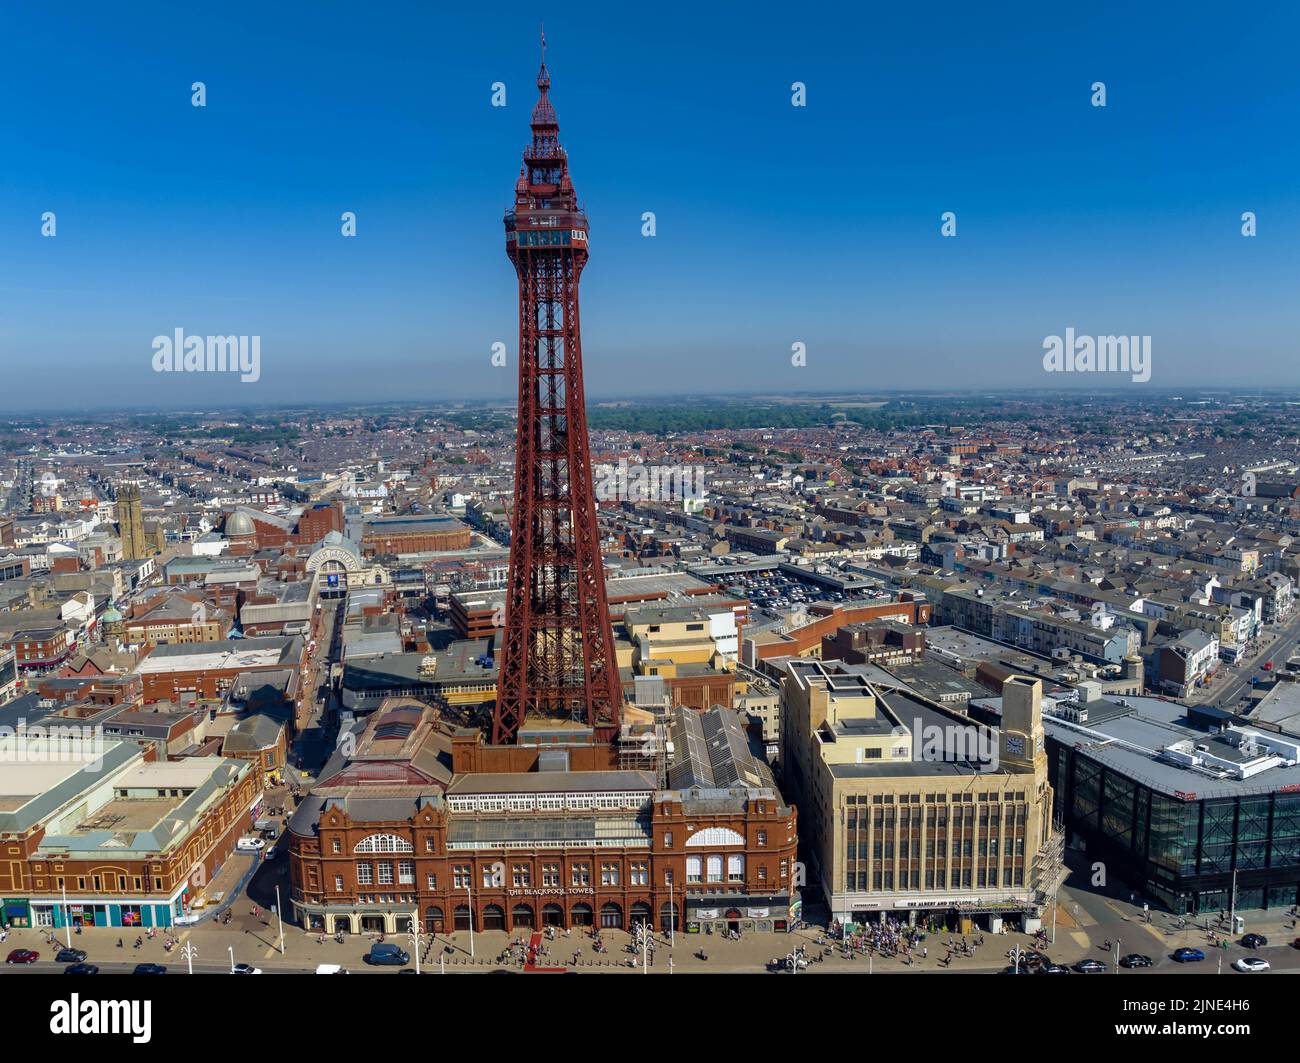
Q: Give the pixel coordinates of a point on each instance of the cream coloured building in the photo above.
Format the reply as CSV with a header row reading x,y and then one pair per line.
x,y
909,807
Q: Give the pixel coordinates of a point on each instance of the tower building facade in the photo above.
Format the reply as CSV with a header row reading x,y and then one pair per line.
x,y
130,521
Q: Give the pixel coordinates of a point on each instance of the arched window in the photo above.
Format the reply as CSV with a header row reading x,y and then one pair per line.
x,y
712,836
383,843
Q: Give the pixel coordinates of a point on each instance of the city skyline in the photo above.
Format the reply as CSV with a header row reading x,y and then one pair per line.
x,y
225,219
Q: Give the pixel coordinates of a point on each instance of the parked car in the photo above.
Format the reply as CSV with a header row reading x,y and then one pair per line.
x,y
70,956
1254,941
1249,964
245,968
387,955
249,844
1090,967
1135,959
149,968
272,852
331,968
81,968
1052,968
1188,955
22,956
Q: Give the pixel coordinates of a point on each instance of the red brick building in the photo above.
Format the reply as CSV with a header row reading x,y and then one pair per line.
x,y
392,835
206,670
414,535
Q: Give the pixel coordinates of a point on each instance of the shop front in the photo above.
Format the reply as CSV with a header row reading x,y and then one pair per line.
x,y
131,915
16,912
741,915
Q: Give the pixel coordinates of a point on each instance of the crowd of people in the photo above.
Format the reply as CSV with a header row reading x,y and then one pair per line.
x,y
889,938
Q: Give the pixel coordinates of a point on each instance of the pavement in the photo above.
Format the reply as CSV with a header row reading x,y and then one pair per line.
x,y
1084,923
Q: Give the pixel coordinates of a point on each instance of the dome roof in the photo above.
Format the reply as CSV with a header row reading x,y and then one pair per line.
x,y
240,523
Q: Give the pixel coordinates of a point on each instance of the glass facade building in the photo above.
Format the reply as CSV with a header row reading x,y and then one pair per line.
x,y
1180,849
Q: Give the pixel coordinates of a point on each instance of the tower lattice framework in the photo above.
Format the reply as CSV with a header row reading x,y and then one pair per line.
x,y
558,656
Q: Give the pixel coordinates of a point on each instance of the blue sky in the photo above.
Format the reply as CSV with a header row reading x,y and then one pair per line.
x,y
775,224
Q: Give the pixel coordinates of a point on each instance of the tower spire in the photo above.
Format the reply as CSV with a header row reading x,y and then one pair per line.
x,y
545,122
543,78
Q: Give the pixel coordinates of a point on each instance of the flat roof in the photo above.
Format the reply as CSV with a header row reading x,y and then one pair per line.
x,y
1129,741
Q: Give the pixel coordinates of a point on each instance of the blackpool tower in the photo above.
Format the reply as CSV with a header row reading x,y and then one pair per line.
x,y
558,670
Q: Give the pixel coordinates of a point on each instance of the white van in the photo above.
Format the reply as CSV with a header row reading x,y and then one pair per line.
x,y
250,844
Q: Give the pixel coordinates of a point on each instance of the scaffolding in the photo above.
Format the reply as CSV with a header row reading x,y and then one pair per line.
x,y
643,745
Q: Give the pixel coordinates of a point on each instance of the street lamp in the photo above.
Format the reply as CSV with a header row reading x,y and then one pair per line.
x,y
278,917
416,935
672,915
67,922
231,949
189,952
469,892
642,933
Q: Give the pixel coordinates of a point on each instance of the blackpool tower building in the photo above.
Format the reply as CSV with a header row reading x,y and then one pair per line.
x,y
559,680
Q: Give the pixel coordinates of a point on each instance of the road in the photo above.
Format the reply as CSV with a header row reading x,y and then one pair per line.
x,y
1234,681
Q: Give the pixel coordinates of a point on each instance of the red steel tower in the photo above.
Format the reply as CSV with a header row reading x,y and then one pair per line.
x,y
558,659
